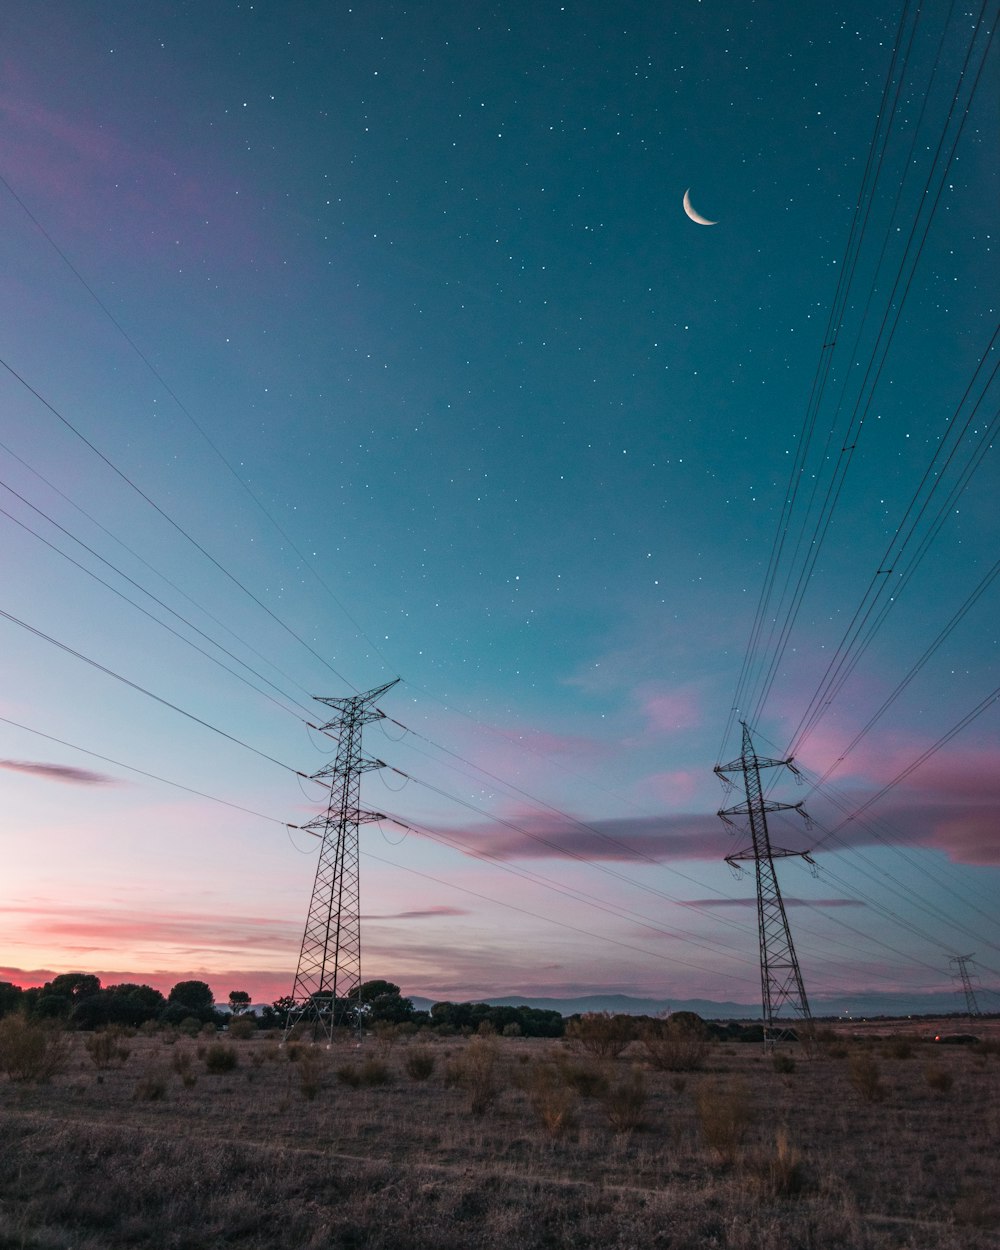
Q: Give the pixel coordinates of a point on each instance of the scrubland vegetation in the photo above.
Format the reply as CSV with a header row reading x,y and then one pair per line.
x,y
412,1140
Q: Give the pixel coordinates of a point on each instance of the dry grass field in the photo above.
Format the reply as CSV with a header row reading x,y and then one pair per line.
x,y
417,1142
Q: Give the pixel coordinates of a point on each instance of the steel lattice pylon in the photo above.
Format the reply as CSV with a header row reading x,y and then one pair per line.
x,y
959,963
329,969
780,976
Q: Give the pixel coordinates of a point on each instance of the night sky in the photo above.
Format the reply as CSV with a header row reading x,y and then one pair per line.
x,y
343,343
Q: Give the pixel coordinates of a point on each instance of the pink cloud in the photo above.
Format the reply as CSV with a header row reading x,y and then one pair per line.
x,y
669,711
59,772
92,175
678,786
531,835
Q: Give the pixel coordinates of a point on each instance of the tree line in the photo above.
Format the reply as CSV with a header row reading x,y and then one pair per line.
x,y
80,1001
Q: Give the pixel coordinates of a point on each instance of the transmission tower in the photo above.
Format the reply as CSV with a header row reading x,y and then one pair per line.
x,y
329,970
780,976
962,972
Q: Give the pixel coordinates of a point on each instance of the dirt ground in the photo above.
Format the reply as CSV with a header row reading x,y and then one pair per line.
x,y
414,1142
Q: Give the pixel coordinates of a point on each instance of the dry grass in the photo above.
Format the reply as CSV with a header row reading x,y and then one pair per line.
x,y
726,1111
134,1157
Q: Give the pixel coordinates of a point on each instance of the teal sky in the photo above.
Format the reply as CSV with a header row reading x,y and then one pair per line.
x,y
349,342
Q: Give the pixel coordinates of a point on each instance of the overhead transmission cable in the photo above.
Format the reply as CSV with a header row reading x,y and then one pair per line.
x,y
62,646
142,772
190,416
139,608
834,324
174,524
848,807
886,332
146,564
764,680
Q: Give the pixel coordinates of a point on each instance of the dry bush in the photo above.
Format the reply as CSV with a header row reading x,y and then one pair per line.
x,y
182,1062
311,1068
625,1102
386,1035
419,1064
898,1048
782,1063
375,1071
151,1086
107,1049
779,1173
725,1112
939,1079
865,1077
475,1071
221,1058
552,1100
589,1080
31,1052
601,1034
675,1045
242,1029
372,1071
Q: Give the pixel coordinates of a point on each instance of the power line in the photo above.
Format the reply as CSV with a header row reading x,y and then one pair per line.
x,y
62,646
107,759
139,608
174,524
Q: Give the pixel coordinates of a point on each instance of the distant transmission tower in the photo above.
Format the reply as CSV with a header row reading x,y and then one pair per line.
x,y
780,977
329,971
962,972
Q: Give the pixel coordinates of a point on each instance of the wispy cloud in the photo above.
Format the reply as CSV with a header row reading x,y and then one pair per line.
x,y
425,914
64,773
788,902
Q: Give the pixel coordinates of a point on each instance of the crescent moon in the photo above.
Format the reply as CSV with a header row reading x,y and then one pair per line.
x,y
693,213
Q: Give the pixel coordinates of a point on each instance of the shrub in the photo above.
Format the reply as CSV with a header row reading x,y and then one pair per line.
x,y
865,1077
151,1087
242,1028
349,1074
419,1064
778,1174
375,1072
725,1112
782,1063
107,1049
311,1068
182,1063
475,1071
552,1101
898,1048
625,1102
31,1052
587,1079
601,1034
939,1079
220,1058
677,1044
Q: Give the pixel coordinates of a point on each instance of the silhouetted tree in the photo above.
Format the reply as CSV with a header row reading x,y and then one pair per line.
x,y
59,996
10,997
127,1004
189,998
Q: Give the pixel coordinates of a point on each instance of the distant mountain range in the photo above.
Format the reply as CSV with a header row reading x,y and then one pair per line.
x,y
844,1006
